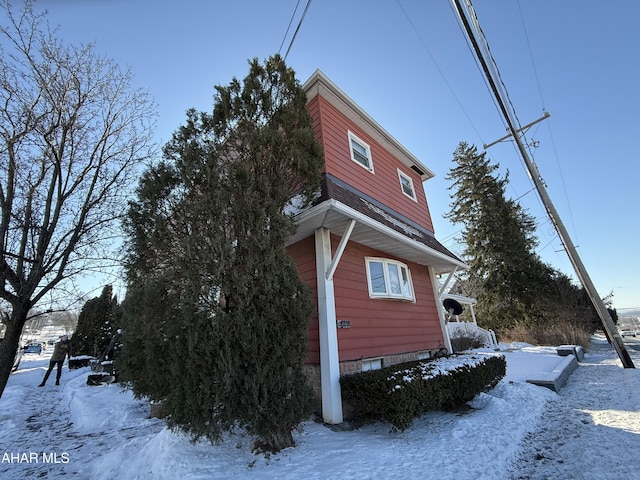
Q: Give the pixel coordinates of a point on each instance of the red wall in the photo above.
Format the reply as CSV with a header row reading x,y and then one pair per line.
x,y
383,184
304,256
382,327
377,327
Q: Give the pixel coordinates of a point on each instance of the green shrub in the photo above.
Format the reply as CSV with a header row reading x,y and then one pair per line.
x,y
403,392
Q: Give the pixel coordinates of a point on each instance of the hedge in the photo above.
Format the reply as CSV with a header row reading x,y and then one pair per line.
x,y
403,392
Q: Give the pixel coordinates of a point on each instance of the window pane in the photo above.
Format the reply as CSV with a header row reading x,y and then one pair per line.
x,y
406,186
360,153
406,285
368,365
394,279
358,148
377,277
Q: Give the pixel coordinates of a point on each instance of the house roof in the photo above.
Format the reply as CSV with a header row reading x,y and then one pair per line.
x,y
376,226
320,84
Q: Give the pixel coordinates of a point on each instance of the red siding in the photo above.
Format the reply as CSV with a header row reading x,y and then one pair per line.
x,y
377,327
314,110
383,184
304,256
382,327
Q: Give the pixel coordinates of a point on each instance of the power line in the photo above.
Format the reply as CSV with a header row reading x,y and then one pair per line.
x,y
533,63
440,71
542,101
509,116
289,26
306,8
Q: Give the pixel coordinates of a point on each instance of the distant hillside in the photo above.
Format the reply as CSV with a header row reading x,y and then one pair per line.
x,y
628,312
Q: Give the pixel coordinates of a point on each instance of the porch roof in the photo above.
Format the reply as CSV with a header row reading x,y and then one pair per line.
x,y
376,227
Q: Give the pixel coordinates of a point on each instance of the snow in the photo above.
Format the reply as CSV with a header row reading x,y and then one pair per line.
x,y
589,430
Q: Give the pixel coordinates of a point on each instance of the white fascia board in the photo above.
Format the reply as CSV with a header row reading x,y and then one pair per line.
x,y
390,232
362,219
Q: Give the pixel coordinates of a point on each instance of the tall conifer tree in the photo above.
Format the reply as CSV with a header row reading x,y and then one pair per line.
x,y
506,275
208,233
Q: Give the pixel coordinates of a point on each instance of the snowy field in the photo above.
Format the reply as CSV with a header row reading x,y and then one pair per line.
x,y
590,430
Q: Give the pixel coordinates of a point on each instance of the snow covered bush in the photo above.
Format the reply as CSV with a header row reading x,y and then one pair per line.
x,y
467,341
403,392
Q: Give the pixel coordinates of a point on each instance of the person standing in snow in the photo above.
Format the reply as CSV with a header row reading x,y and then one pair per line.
x,y
61,350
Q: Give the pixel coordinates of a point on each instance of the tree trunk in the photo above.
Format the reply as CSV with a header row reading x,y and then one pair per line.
x,y
9,345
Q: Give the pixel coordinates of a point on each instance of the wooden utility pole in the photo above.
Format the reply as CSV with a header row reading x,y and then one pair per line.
x,y
532,169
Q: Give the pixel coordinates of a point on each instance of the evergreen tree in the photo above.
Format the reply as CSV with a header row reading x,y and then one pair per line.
x,y
506,275
211,286
97,323
570,305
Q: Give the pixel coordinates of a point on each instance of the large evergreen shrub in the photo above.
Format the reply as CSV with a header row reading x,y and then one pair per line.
x,y
217,316
98,321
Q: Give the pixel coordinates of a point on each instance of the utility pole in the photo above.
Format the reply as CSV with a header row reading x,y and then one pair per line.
x,y
532,169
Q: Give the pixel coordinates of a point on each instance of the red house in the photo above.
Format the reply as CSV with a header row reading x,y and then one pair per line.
x,y
367,250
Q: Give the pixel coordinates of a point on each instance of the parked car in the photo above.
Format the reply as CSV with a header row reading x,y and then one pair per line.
x,y
34,347
16,360
628,332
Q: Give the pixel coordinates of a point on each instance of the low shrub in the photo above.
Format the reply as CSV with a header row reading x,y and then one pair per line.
x,y
403,392
467,341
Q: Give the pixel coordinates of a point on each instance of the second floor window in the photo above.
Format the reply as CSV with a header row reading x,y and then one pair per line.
x,y
360,152
407,185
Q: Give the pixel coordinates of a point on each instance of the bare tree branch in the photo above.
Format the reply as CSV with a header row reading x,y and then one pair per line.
x,y
73,133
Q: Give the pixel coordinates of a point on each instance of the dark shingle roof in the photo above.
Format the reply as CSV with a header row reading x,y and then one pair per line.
x,y
333,188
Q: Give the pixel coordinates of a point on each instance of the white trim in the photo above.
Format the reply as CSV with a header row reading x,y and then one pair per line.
x,y
388,294
401,176
358,141
441,314
327,331
334,205
340,250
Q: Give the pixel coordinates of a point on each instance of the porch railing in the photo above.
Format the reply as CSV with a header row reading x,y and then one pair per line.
x,y
457,329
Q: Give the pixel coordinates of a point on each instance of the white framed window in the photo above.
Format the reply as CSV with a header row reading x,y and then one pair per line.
x,y
388,279
360,152
406,184
371,364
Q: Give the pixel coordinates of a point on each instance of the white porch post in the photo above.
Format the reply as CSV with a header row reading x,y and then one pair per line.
x,y
441,315
329,360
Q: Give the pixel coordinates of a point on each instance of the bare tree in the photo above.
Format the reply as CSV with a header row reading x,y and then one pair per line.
x,y
72,133
65,320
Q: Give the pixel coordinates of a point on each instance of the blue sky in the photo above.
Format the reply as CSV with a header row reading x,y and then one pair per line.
x,y
407,63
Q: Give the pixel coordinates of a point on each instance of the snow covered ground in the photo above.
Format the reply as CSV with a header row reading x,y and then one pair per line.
x,y
590,430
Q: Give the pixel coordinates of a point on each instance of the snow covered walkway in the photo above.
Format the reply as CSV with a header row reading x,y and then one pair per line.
x,y
591,430
516,431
